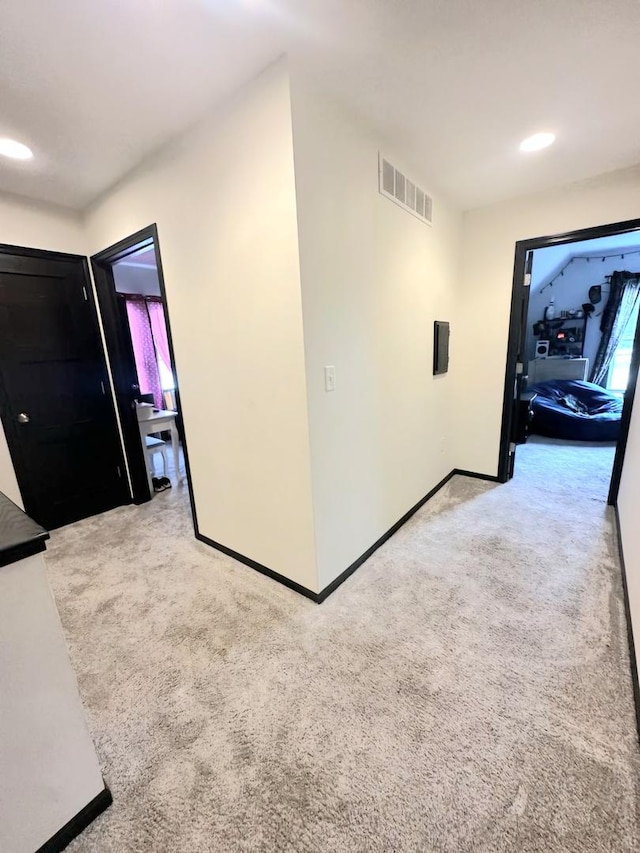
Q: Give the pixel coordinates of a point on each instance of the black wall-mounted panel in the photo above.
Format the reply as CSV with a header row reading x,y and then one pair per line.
x,y
440,347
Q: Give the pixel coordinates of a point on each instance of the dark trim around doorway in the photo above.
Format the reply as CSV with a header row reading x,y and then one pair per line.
x,y
633,661
102,264
625,422
116,345
521,249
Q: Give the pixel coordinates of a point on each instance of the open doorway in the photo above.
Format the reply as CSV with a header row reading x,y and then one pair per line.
x,y
572,360
132,299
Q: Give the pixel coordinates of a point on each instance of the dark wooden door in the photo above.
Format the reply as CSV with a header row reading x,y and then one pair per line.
x,y
55,403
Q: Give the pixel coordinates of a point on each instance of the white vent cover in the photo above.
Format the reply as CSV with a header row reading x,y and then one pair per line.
x,y
396,186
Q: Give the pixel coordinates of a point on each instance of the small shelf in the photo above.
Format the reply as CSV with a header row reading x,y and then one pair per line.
x,y
565,335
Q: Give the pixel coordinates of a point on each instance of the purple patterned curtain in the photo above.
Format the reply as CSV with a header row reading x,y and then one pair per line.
x,y
143,349
159,330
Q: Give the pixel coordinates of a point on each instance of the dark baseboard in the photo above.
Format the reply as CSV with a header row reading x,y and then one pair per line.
x,y
370,551
78,823
627,610
491,478
319,597
264,570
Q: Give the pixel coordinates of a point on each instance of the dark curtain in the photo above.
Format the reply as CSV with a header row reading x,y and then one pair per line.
x,y
623,296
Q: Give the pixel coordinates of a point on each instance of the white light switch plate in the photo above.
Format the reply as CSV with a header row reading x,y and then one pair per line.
x,y
330,378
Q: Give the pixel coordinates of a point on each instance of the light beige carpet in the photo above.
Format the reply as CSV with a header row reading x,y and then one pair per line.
x,y
467,689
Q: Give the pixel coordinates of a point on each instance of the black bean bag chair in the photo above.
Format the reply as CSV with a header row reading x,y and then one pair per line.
x,y
577,411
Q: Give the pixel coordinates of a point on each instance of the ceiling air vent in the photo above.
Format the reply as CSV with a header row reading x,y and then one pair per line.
x,y
396,186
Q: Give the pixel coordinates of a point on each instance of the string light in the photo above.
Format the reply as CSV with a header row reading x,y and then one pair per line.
x,y
586,258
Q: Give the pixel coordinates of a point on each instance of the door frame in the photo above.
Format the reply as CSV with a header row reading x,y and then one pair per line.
x,y
11,433
522,247
102,266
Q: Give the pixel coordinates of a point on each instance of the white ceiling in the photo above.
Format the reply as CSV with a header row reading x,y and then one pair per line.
x,y
94,86
137,273
145,257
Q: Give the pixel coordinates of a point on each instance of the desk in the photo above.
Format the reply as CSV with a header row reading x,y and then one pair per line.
x,y
159,422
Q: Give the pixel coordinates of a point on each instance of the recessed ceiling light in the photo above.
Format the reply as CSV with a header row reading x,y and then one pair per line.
x,y
15,150
537,141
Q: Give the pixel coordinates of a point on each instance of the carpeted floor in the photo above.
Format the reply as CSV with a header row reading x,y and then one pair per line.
x,y
467,689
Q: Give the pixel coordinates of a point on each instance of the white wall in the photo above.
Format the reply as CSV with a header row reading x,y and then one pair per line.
x,y
39,226
628,505
223,198
489,237
23,223
50,770
374,279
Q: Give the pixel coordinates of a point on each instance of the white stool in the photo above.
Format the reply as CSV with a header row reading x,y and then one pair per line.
x,y
152,446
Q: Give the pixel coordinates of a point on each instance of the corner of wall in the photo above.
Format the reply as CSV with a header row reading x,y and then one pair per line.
x,y
373,280
223,199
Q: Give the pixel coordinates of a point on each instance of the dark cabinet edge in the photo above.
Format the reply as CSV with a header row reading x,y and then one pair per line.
x,y
20,536
22,551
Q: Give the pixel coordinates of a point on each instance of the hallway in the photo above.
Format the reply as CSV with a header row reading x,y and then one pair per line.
x,y
467,689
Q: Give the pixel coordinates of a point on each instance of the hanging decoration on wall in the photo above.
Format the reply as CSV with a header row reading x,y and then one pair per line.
x,y
588,259
595,294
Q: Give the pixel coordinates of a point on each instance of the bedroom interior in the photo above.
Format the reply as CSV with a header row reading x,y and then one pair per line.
x,y
581,323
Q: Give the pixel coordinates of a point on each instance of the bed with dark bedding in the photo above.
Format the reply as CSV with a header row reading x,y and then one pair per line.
x,y
577,411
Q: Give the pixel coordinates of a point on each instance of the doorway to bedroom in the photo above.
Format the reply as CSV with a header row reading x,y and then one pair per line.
x,y
132,299
573,355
